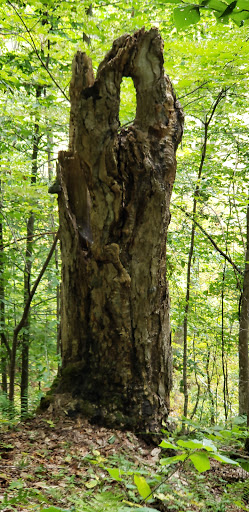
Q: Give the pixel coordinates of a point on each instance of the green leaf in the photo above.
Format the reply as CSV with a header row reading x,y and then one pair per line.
x,y
115,473
240,504
222,458
238,17
226,434
209,445
192,444
185,16
200,461
142,486
112,439
16,484
167,444
139,509
53,509
229,9
91,484
172,460
217,5
244,464
243,4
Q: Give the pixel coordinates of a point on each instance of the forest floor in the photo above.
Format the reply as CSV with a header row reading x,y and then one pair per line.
x,y
62,464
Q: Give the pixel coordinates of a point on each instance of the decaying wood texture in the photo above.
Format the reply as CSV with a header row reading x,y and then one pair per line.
x,y
114,214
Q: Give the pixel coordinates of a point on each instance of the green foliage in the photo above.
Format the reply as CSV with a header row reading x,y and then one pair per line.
x,y
142,486
185,16
127,111
53,509
212,334
201,60
197,451
118,484
204,53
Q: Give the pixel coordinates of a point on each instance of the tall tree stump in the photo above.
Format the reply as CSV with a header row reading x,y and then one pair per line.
x,y
115,188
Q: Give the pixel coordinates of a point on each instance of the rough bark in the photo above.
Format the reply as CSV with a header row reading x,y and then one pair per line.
x,y
114,197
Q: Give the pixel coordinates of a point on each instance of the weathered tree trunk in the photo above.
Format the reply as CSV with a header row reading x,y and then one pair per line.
x,y
114,197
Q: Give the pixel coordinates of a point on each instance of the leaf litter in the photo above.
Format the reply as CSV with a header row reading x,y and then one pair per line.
x,y
62,463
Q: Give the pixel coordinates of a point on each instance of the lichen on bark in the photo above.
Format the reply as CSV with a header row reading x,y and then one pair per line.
x,y
115,187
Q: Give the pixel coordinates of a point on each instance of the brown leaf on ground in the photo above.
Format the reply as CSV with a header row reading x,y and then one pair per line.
x,y
44,456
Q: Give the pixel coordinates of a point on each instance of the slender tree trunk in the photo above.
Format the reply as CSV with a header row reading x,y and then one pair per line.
x,y
56,253
206,125
21,324
188,281
27,294
29,254
58,297
223,347
243,334
50,155
27,272
4,352
26,331
197,383
12,373
114,215
209,381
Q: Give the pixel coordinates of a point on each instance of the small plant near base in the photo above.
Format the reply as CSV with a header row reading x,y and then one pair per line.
x,y
196,451
184,452
183,480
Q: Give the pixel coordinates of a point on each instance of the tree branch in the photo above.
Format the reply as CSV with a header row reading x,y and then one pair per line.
x,y
33,290
194,90
5,342
227,258
220,96
38,235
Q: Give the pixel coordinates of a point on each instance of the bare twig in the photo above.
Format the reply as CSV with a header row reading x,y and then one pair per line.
x,y
38,235
194,90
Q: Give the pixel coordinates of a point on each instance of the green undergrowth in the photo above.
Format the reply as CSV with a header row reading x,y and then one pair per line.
x,y
203,470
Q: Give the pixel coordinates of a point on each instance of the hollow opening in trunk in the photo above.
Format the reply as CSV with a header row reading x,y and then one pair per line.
x,y
128,102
